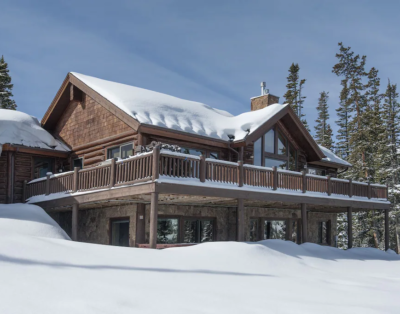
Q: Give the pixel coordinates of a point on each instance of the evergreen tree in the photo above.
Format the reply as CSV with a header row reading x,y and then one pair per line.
x,y
343,113
293,95
323,129
5,87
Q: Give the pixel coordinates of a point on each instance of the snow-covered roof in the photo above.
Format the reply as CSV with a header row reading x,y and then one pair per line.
x,y
19,128
157,109
331,157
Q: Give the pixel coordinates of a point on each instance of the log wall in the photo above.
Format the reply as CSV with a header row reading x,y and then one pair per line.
x,y
3,178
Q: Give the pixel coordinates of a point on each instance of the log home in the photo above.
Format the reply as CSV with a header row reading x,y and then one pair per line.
x,y
152,170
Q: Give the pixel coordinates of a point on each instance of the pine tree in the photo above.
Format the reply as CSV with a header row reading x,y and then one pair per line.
x,y
344,115
323,129
293,95
5,87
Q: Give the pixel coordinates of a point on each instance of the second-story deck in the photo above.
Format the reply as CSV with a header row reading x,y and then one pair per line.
x,y
188,179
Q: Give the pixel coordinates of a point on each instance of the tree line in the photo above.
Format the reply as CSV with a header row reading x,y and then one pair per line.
x,y
367,137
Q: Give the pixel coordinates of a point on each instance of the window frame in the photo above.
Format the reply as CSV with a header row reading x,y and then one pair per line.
x,y
110,229
73,162
119,146
261,227
42,157
207,152
275,155
328,233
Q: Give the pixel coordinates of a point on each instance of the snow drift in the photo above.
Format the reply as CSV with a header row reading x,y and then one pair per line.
x,y
52,275
19,128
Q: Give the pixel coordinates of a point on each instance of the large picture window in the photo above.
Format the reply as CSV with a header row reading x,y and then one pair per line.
x,y
273,149
265,228
172,230
120,232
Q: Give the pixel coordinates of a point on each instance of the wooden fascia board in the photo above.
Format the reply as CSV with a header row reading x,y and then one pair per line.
x,y
329,164
35,151
55,101
160,131
122,115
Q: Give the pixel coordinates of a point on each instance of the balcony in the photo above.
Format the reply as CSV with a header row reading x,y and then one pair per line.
x,y
169,167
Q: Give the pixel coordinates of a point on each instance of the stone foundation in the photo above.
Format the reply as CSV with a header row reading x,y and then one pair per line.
x,y
94,224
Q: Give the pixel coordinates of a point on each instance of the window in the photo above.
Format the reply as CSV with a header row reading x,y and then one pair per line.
x,y
122,151
78,162
41,166
269,141
269,162
185,230
254,236
120,232
198,231
317,171
275,229
192,151
214,155
274,149
167,230
323,232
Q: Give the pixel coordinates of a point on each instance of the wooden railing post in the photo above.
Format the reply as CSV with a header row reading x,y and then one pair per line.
x,y
202,168
304,174
76,179
24,192
369,190
156,162
329,185
350,187
240,173
113,172
47,191
274,178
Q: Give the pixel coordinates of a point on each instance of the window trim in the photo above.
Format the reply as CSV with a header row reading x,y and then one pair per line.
x,y
73,161
120,145
261,227
114,219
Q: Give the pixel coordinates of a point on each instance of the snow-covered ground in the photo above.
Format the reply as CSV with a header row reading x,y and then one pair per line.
x,y
42,271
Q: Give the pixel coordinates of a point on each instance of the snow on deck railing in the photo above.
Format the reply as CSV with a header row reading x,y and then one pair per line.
x,y
150,165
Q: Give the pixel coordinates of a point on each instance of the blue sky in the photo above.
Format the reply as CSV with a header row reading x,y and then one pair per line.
x,y
215,52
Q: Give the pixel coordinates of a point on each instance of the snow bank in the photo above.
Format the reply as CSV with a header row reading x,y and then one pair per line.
x,y
162,110
19,128
331,157
28,220
49,275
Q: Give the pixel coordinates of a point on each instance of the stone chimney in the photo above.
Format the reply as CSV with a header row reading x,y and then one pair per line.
x,y
264,100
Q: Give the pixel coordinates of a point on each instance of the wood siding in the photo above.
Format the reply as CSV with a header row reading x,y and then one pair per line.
x,y
3,178
89,129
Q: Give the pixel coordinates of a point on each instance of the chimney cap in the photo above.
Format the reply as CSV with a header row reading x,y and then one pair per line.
x,y
263,84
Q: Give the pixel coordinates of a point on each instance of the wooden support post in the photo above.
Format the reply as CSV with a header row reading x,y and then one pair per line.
x,y
369,190
156,162
274,178
350,187
241,154
47,191
304,181
304,223
240,173
76,179
113,172
329,185
240,221
387,230
202,168
153,219
75,210
24,191
349,228
289,230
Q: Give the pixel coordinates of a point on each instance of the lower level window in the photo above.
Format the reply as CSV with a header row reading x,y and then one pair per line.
x,y
120,232
167,230
323,232
198,231
275,229
254,236
185,230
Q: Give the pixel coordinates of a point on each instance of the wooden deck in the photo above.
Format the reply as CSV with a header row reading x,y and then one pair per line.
x,y
176,176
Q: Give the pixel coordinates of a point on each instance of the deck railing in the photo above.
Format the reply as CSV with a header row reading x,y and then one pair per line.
x,y
150,166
